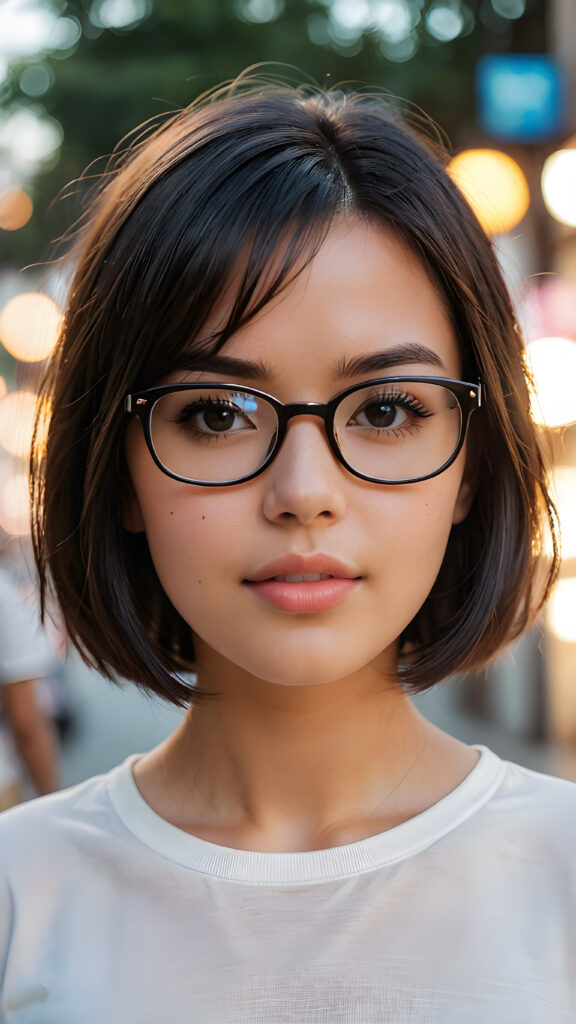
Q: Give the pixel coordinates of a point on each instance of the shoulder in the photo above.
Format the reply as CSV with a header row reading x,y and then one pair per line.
x,y
537,790
52,827
536,809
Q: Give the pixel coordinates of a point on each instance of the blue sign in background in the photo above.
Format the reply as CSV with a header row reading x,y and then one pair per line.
x,y
520,97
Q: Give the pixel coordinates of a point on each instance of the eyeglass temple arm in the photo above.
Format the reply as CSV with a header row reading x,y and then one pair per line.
x,y
128,403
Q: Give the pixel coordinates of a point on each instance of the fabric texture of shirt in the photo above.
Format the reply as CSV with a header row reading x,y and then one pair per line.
x,y
464,914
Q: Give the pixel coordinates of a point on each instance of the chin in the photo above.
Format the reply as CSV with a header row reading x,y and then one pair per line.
x,y
287,676
309,663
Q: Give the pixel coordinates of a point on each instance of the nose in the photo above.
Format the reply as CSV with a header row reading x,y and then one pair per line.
x,y
305,481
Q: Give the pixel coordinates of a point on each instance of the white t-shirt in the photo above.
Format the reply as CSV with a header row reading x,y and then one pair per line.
x,y
465,914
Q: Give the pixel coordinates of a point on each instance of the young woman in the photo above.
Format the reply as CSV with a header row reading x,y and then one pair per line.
x,y
290,450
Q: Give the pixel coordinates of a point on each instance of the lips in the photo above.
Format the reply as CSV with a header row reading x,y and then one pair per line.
x,y
304,584
304,565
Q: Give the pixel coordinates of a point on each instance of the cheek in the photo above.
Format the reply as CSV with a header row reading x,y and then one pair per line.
x,y
184,525
412,526
180,546
192,535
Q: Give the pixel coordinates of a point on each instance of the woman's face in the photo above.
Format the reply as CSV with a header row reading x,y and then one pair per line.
x,y
364,293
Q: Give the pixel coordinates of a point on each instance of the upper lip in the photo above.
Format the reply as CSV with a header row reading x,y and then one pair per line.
x,y
303,565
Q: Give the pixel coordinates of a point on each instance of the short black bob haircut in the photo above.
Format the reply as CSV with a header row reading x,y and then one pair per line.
x,y
253,170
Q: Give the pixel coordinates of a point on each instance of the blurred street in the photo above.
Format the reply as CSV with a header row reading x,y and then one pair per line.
x,y
111,723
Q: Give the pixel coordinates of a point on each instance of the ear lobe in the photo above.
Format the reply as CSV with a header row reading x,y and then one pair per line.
x,y
463,502
130,514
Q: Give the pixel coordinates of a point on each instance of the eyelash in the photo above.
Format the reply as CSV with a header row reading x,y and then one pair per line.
x,y
404,400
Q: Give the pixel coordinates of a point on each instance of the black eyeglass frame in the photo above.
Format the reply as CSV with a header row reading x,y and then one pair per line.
x,y
141,404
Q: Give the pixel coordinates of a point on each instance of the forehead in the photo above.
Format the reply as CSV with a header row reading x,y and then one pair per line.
x,y
363,294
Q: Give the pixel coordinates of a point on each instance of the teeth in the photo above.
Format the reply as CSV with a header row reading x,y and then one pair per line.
x,y
311,577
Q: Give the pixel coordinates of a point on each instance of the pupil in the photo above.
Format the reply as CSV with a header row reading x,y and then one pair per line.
x,y
218,419
381,415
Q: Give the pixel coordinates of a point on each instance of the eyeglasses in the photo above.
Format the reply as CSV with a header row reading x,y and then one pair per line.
x,y
392,430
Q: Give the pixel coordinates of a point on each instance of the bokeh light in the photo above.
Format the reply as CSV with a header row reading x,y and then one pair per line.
x,y
494,185
549,307
36,79
119,14
17,422
15,503
30,28
29,326
509,8
258,11
563,487
444,21
561,616
16,208
552,362
30,140
391,24
559,185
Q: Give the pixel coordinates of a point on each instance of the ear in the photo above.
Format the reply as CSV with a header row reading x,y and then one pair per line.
x,y
130,513
463,502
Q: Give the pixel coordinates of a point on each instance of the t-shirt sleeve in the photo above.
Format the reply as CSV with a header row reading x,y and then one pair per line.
x,y
24,650
6,924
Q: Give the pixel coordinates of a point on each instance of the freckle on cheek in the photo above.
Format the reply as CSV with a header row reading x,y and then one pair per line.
x,y
203,517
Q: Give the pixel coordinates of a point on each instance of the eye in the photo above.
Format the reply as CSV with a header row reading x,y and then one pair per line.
x,y
216,416
388,412
380,414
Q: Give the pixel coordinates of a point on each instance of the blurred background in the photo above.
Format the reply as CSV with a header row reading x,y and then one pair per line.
x,y
498,77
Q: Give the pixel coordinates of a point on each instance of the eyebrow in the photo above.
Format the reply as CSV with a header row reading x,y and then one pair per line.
x,y
398,355
246,369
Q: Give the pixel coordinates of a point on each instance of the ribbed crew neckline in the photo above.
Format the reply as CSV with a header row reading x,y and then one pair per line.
x,y
254,867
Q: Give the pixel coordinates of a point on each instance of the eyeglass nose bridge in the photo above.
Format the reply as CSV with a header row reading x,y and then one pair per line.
x,y
323,411
306,409
285,413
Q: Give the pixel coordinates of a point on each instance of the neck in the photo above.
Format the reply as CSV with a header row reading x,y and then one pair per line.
x,y
268,766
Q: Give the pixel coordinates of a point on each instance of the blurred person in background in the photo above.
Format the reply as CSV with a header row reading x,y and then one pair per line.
x,y
29,747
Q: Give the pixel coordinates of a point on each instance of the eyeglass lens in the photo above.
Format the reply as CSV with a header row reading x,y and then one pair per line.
x,y
390,431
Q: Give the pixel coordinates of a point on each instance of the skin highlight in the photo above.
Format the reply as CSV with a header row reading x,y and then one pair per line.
x,y
313,743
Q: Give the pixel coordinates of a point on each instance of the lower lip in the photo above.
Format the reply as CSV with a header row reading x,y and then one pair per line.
x,y
316,596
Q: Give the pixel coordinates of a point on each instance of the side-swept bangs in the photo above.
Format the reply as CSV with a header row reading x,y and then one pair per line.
x,y
221,207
